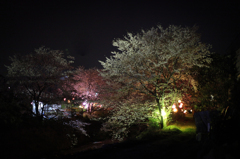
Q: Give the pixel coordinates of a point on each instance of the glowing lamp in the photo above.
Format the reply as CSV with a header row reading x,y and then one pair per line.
x,y
175,110
163,113
185,111
179,101
64,99
180,106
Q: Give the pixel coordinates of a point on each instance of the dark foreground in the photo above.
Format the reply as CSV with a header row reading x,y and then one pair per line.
x,y
168,145
177,146
164,148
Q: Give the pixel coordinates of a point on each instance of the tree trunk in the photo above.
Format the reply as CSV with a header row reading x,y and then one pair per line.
x,y
36,107
42,111
160,113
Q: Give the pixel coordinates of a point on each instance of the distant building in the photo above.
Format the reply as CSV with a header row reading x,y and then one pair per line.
x,y
48,108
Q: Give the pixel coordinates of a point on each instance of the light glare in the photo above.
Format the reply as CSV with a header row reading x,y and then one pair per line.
x,y
175,110
180,106
174,106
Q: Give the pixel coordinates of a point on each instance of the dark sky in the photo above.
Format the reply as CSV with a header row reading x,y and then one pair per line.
x,y
87,28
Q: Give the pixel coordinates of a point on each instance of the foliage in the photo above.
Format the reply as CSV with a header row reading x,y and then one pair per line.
x,y
39,74
154,123
123,117
78,125
12,107
215,84
87,83
124,109
218,89
156,62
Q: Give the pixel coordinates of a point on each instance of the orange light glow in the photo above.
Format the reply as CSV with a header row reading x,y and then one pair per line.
x,y
175,110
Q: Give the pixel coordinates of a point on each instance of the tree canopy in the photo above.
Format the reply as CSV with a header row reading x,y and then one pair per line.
x,y
88,82
215,83
156,62
39,74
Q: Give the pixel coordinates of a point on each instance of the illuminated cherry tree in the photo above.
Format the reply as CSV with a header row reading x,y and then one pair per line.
x,y
156,62
88,84
39,75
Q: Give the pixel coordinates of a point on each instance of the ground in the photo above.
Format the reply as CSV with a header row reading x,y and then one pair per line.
x,y
176,145
170,144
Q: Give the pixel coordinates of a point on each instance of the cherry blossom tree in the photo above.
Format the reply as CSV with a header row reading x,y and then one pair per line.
x,y
157,61
88,84
39,74
125,109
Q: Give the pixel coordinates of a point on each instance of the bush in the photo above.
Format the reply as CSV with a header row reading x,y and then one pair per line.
x,y
154,123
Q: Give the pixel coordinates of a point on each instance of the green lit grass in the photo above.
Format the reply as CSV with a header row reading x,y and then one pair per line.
x,y
183,129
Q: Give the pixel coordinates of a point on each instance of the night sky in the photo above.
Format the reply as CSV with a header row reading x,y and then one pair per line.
x,y
87,28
